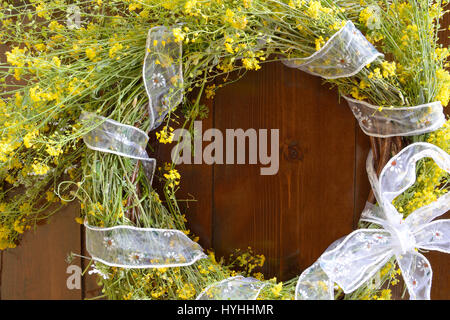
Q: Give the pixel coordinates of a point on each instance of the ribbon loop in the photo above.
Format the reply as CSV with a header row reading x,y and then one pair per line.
x,y
345,54
162,73
357,258
434,236
397,121
132,247
110,136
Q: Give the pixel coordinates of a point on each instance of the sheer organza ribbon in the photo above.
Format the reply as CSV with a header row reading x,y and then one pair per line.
x,y
234,288
110,136
353,260
128,246
345,54
393,121
162,73
132,247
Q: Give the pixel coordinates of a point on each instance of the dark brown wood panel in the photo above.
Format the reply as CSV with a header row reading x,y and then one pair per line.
x,y
197,185
290,217
37,268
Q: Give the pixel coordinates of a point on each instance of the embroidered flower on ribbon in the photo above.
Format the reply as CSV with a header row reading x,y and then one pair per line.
x,y
109,243
158,80
135,257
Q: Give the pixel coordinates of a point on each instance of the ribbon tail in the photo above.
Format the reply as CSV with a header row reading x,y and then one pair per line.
x,y
314,284
434,236
234,288
162,73
417,274
356,259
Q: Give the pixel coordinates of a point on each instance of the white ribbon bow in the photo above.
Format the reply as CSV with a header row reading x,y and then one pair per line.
x,y
353,260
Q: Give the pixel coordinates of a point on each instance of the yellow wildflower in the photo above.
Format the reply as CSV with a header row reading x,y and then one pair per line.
x,y
17,227
166,135
314,9
40,168
277,289
443,95
28,139
388,68
319,43
178,34
134,6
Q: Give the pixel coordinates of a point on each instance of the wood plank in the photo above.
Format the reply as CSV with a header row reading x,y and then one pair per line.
x,y
36,269
197,184
362,185
293,216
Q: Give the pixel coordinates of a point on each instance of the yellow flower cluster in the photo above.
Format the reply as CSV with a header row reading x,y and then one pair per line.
x,y
40,168
173,178
443,94
178,34
166,135
370,18
431,179
315,10
238,21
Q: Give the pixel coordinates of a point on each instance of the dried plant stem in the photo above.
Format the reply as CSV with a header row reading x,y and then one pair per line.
x,y
383,149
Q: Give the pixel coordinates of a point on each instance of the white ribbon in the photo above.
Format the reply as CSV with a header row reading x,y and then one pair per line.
x,y
313,283
128,246
114,137
392,121
162,73
345,54
357,257
133,247
73,17
234,288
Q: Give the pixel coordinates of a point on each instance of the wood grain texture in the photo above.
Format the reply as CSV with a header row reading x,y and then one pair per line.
x,y
290,217
196,187
36,269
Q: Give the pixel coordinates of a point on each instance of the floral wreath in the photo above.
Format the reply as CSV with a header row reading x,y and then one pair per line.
x,y
74,73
